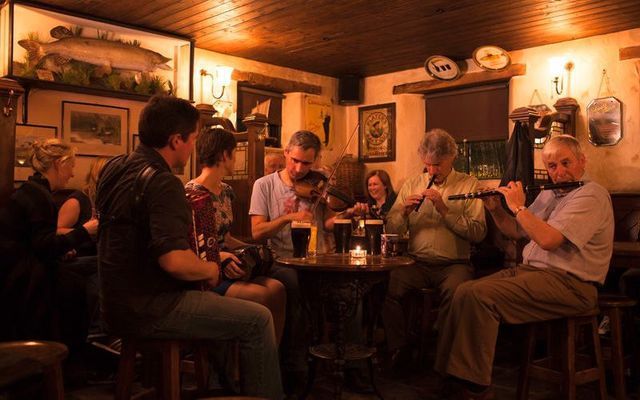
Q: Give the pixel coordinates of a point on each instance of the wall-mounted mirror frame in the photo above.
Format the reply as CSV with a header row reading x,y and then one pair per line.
x,y
604,117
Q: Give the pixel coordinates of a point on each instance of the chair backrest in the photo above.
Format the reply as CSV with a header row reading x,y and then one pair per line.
x,y
626,213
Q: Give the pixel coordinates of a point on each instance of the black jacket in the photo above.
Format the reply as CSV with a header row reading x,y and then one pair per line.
x,y
30,251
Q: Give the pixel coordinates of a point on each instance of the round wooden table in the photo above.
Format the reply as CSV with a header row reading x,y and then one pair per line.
x,y
336,283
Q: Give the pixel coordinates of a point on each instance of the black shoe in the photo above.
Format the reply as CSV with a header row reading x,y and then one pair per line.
x,y
401,362
356,381
294,383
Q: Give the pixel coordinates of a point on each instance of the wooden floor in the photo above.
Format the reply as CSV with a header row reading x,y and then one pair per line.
x,y
422,384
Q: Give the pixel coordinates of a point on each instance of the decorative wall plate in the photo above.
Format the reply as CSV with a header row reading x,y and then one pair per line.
x,y
441,67
491,58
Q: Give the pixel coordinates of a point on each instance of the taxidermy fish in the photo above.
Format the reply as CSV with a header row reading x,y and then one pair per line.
x,y
106,54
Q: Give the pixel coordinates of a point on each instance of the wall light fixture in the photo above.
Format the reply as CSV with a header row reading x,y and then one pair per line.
x,y
221,77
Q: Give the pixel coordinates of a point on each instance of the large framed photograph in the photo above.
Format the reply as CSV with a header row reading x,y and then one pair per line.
x,y
95,130
52,49
26,135
377,134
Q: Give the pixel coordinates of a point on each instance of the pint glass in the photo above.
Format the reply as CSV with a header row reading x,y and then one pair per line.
x,y
373,228
300,234
342,234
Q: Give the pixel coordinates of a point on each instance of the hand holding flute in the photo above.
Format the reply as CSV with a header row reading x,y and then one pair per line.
x,y
414,202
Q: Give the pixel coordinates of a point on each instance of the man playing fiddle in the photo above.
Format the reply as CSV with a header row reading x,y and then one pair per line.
x,y
274,205
440,233
571,241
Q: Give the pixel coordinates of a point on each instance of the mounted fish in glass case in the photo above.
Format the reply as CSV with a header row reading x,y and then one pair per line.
x,y
96,55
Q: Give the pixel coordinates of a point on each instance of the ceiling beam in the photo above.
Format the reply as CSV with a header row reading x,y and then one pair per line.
x,y
278,84
627,53
472,79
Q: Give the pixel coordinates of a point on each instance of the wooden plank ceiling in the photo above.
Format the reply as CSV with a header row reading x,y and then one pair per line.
x,y
365,37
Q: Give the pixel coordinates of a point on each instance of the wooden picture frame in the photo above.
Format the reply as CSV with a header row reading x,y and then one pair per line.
x,y
26,134
95,130
98,57
377,133
604,117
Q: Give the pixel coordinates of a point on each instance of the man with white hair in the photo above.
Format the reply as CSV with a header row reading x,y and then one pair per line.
x,y
571,241
440,236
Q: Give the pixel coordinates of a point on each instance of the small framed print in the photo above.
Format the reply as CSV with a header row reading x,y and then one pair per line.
x,y
377,133
94,129
26,135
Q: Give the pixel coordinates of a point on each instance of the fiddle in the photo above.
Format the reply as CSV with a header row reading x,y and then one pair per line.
x,y
315,187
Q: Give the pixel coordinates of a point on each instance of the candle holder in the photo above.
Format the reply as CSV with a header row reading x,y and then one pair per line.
x,y
358,254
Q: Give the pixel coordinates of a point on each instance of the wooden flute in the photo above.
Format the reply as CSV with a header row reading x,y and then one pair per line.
x,y
528,189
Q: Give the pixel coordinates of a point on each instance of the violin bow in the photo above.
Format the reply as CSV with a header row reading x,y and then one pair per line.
x,y
335,169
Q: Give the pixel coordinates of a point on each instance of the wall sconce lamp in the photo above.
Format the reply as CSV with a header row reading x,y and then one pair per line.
x,y
222,78
557,66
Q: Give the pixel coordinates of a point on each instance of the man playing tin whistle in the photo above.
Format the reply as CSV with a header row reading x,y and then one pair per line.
x,y
440,236
571,241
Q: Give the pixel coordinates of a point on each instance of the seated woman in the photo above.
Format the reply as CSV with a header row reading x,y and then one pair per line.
x,y
216,149
78,206
40,298
380,193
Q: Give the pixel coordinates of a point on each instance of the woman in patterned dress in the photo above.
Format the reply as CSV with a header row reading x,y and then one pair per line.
x,y
216,151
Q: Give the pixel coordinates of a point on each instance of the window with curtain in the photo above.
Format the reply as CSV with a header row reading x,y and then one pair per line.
x,y
478,118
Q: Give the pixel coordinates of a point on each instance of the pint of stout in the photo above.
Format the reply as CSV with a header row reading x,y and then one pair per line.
x,y
373,228
342,234
300,234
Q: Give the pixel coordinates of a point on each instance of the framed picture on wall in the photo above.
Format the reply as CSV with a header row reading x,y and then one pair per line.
x,y
377,133
95,130
26,135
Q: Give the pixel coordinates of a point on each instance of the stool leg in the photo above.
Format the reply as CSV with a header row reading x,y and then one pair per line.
x,y
569,361
523,380
126,364
602,384
171,372
617,353
202,368
53,382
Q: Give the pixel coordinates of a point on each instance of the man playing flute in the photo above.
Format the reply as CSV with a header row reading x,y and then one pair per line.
x,y
571,241
440,238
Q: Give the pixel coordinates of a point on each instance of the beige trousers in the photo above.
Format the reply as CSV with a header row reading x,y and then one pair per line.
x,y
467,339
444,277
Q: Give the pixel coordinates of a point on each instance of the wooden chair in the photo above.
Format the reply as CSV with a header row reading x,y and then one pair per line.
x,y
566,329
614,307
169,349
25,358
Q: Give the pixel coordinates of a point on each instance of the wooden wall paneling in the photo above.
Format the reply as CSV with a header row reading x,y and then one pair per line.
x,y
10,91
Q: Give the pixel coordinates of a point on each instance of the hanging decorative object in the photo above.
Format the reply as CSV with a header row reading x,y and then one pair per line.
x,y
491,58
442,68
604,116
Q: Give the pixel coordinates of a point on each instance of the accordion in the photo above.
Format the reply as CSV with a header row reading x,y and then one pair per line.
x,y
202,234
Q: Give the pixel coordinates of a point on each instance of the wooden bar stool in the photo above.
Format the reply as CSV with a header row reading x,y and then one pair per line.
x,y
423,312
21,359
566,329
614,307
169,349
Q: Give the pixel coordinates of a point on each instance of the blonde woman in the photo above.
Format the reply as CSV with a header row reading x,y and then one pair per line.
x,y
36,292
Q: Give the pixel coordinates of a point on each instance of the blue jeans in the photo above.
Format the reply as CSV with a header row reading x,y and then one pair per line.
x,y
206,315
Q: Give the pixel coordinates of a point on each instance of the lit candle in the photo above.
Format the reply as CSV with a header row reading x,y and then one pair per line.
x,y
358,253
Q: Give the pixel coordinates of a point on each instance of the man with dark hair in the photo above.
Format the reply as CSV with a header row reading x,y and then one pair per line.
x,y
146,266
274,205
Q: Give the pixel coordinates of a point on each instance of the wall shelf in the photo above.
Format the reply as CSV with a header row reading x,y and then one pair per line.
x,y
466,80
